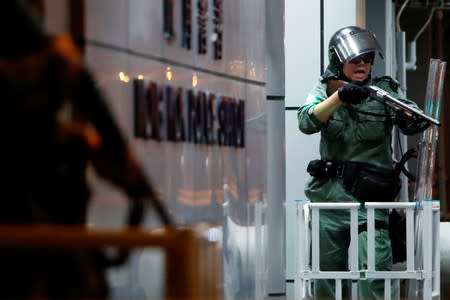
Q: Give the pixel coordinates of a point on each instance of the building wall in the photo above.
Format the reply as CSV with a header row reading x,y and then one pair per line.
x,y
221,186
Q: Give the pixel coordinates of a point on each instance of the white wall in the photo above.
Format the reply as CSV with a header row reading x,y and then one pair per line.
x,y
305,30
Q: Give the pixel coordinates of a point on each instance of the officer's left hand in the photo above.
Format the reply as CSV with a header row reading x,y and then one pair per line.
x,y
410,124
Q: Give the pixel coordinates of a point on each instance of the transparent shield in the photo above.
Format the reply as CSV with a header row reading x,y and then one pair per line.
x,y
426,158
428,145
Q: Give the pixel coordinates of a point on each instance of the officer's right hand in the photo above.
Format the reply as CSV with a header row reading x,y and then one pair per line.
x,y
353,93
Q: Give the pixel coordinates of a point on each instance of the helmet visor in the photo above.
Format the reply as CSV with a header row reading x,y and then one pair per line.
x,y
353,44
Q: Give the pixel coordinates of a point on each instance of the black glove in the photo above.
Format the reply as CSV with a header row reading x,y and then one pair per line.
x,y
401,119
410,124
353,93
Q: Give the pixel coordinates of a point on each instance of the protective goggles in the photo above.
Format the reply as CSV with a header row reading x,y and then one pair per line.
x,y
367,58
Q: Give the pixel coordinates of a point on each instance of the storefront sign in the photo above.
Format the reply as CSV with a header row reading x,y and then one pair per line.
x,y
202,19
177,114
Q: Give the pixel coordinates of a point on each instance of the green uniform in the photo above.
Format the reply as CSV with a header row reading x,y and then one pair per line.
x,y
357,133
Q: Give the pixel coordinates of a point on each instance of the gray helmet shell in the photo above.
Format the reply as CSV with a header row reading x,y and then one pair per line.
x,y
352,41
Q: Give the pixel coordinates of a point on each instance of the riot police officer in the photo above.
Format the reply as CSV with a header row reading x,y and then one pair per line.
x,y
355,139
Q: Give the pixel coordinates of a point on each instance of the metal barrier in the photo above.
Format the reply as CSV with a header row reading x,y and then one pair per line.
x,y
192,263
424,273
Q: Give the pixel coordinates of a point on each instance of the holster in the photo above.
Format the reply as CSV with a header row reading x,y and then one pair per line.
x,y
359,180
372,186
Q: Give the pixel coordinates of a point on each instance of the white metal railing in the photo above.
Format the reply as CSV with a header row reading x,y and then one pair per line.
x,y
422,235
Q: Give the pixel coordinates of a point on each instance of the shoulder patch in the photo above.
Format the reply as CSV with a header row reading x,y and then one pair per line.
x,y
393,84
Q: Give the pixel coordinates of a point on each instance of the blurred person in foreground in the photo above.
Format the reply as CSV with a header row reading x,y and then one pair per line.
x,y
54,123
356,159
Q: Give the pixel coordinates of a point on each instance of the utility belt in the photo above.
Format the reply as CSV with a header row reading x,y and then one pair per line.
x,y
359,180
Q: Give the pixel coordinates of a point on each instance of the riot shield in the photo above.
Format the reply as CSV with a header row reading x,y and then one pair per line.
x,y
426,157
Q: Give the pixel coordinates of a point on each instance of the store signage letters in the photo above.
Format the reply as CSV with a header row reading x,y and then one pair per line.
x,y
202,19
177,114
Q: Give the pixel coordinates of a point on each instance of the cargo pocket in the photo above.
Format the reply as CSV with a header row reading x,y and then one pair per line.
x,y
334,130
371,128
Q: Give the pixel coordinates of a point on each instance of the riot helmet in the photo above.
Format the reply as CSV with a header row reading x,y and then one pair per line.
x,y
346,44
351,41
